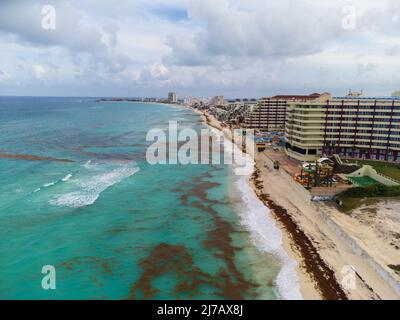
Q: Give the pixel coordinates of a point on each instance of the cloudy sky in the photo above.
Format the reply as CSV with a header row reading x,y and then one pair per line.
x,y
237,48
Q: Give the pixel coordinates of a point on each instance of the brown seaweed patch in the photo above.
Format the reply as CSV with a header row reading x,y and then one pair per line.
x,y
112,156
199,191
175,259
31,157
315,266
232,283
395,267
77,263
235,286
166,258
229,282
109,145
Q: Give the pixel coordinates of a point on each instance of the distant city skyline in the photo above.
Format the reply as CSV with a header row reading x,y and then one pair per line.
x,y
234,48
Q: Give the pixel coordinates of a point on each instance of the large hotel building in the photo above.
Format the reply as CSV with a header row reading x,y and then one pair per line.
x,y
270,112
353,127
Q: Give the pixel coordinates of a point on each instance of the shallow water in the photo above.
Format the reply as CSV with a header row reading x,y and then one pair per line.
x,y
116,227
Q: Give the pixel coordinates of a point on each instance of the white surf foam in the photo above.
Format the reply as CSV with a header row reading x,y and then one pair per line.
x,y
264,232
88,164
49,184
268,238
67,177
90,190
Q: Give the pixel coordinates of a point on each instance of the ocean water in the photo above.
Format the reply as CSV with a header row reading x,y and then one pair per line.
x,y
77,193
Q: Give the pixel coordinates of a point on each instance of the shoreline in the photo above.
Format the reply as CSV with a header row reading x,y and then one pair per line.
x,y
308,287
316,278
327,245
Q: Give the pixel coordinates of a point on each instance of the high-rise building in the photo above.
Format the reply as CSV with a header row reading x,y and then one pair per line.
x,y
188,101
218,101
172,97
353,127
270,112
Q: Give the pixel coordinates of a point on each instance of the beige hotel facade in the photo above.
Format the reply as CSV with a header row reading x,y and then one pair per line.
x,y
270,112
352,127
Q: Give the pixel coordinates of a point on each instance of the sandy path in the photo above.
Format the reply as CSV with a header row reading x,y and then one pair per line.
x,y
333,250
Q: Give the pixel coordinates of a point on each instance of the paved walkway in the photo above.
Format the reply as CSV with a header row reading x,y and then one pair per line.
x,y
291,166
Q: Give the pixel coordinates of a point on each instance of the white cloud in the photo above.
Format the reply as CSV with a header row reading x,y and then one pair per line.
x,y
38,71
135,75
231,47
4,75
158,71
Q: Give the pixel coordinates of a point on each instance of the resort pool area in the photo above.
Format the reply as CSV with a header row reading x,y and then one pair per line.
x,y
363,181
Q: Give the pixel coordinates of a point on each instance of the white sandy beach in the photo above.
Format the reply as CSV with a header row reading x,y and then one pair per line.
x,y
307,286
334,249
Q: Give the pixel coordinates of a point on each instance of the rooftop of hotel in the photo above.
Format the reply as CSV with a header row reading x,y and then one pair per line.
x,y
367,98
299,96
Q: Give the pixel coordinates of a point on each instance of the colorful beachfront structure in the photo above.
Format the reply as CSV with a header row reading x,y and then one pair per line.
x,y
270,112
352,127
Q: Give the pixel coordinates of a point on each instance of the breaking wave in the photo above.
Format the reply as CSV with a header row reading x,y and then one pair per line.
x,y
90,187
67,177
53,183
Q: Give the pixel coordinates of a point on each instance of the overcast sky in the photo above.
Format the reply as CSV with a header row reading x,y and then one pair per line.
x,y
236,48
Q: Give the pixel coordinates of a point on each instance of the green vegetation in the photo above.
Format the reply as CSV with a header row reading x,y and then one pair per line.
x,y
354,198
391,170
375,190
349,203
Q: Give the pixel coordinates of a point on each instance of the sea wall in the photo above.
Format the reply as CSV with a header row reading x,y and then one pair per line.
x,y
387,276
285,175
369,171
342,234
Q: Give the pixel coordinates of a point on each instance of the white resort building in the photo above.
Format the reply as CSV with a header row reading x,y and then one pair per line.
x,y
352,127
270,112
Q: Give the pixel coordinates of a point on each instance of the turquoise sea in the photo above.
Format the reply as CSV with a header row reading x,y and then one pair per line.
x,y
77,193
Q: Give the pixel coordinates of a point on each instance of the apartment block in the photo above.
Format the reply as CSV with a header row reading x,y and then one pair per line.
x,y
218,101
172,97
353,127
270,112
